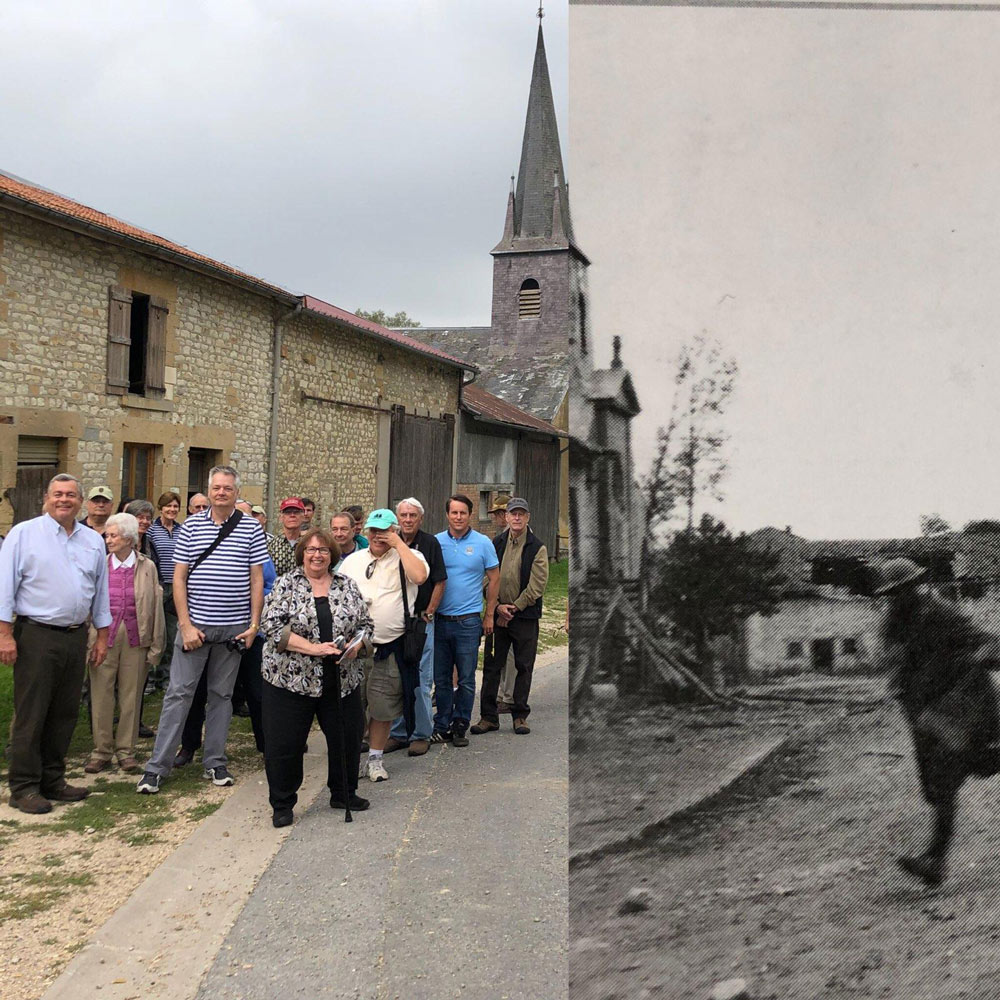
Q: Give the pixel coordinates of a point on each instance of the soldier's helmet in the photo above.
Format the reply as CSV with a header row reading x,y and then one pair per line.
x,y
896,573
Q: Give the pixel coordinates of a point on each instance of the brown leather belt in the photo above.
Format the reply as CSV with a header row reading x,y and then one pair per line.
x,y
55,628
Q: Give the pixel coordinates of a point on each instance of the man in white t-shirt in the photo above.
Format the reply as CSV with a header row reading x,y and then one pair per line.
x,y
376,570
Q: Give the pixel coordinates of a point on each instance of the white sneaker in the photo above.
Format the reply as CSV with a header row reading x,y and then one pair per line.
x,y
376,771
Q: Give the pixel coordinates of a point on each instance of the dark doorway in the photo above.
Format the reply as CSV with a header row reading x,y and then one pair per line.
x,y
200,462
822,655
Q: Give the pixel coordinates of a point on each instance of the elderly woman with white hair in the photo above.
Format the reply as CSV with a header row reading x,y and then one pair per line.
x,y
135,641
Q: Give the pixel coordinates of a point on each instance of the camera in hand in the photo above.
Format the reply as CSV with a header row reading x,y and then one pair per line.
x,y
236,645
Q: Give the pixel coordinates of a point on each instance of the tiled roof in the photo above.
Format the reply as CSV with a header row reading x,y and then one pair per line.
x,y
974,554
479,402
321,308
17,190
23,193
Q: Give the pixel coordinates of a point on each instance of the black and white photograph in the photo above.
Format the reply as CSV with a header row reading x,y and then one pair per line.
x,y
784,429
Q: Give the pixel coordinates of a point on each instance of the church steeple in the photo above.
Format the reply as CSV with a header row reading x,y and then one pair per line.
x,y
541,219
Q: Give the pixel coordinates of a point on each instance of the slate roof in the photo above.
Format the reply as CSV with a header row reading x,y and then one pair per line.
x,y
613,385
536,385
493,409
21,193
538,216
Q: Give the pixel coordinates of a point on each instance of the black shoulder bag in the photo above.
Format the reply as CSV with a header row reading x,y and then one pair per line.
x,y
415,634
224,532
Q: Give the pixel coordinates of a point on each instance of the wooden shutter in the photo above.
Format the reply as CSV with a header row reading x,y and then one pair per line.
x,y
119,339
156,344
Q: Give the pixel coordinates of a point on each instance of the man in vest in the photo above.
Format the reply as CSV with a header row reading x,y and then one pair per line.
x,y
524,572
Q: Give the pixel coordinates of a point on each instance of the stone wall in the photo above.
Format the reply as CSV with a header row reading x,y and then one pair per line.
x,y
53,351
330,447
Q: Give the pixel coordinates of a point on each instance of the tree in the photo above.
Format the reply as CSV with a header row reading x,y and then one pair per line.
x,y
383,319
711,581
689,459
933,524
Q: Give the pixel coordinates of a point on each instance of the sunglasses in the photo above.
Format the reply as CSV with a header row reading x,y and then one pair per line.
x,y
370,570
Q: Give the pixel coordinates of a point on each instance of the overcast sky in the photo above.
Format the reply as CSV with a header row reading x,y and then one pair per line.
x,y
820,190
360,152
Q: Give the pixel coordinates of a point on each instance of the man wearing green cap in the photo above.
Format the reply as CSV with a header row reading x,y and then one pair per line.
x,y
379,571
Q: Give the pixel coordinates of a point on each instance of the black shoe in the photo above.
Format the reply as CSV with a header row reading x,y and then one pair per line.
x,y
357,803
183,758
220,776
458,738
931,870
441,736
282,817
145,732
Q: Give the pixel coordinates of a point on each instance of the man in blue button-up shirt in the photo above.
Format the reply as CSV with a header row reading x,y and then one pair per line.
x,y
54,579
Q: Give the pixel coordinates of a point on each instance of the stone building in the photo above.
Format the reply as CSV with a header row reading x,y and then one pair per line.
x,y
523,355
130,360
828,623
503,449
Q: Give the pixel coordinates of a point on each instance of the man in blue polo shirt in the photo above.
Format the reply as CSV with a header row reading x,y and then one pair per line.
x,y
219,592
459,624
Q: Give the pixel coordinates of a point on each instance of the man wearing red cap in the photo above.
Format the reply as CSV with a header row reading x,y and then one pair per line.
x,y
281,547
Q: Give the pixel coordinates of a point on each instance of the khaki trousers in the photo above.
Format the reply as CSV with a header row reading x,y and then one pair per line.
x,y
126,666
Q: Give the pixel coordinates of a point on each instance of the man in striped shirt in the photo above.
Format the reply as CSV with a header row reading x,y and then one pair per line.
x,y
218,597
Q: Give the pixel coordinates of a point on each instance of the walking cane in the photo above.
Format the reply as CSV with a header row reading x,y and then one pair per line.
x,y
348,818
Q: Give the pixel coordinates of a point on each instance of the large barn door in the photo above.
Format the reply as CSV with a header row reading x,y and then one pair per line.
x,y
420,463
537,480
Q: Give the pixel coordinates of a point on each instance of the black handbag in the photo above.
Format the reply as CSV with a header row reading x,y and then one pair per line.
x,y
415,634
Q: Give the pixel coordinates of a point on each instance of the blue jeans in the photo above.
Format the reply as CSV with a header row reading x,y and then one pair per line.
x,y
422,705
455,644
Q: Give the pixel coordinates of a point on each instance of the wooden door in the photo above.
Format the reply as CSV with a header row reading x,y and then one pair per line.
x,y
420,463
29,494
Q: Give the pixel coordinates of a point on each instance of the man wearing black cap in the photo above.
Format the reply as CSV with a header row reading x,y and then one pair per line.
x,y
524,572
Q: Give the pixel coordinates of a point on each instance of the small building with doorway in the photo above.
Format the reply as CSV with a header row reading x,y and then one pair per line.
x,y
504,449
829,623
134,361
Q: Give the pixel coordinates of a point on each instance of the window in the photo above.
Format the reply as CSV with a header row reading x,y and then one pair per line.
x,y
794,651
484,505
583,322
137,337
849,647
200,461
529,300
138,461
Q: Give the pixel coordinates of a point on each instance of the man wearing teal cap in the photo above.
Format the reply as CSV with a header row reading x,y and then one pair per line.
x,y
379,571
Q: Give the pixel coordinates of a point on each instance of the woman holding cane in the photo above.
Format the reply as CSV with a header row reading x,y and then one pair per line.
x,y
303,679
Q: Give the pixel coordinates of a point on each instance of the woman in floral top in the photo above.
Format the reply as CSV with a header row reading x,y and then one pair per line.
x,y
308,609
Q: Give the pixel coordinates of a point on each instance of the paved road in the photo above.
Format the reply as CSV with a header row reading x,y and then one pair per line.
x,y
789,882
453,884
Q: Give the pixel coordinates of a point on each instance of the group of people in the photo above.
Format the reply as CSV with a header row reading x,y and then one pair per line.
x,y
372,628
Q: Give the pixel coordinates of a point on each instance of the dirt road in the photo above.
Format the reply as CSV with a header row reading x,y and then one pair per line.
x,y
788,881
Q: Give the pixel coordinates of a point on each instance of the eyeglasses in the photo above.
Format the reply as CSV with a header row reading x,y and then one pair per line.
x,y
200,506
316,550
370,570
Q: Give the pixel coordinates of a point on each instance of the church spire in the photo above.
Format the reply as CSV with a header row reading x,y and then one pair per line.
x,y
537,200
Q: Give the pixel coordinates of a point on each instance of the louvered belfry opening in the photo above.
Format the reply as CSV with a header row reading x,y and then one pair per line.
x,y
529,300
